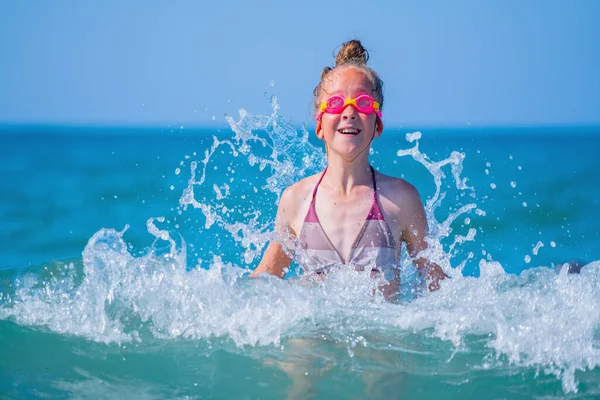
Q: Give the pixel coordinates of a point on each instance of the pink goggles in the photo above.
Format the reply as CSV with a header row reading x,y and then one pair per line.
x,y
337,103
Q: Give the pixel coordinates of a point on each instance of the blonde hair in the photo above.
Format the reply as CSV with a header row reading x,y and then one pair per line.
x,y
352,54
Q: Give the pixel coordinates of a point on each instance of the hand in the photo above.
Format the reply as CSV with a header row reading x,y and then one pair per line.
x,y
434,275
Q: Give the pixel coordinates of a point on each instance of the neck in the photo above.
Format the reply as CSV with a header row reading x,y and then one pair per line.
x,y
343,175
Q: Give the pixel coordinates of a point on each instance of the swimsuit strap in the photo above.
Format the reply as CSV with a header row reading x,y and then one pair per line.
x,y
374,184
317,185
311,215
375,213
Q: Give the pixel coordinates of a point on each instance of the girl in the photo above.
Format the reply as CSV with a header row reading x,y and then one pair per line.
x,y
349,215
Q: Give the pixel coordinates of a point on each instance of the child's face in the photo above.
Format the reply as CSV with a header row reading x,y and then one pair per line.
x,y
349,133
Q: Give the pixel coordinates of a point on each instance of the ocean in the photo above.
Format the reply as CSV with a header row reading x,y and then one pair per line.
x,y
124,257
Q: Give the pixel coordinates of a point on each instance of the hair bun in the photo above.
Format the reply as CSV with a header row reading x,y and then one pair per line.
x,y
352,52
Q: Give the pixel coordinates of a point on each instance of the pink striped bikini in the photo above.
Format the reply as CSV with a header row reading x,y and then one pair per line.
x,y
374,247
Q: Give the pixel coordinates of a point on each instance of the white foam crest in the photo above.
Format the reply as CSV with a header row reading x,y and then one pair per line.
x,y
123,298
541,319
65,307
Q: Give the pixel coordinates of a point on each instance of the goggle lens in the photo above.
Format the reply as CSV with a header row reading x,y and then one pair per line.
x,y
335,102
364,102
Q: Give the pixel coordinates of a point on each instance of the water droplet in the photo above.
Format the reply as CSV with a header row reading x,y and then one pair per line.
x,y
552,244
524,204
513,184
493,185
527,258
537,247
272,83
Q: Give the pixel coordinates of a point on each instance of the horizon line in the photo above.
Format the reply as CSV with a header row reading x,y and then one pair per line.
x,y
181,128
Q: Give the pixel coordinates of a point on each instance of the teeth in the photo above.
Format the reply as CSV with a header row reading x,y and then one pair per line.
x,y
350,131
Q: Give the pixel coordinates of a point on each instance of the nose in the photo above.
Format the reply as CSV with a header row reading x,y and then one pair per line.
x,y
349,112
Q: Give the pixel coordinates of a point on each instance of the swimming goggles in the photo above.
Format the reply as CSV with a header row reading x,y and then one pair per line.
x,y
337,103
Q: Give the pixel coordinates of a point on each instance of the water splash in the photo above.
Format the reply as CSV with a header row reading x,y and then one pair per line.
x,y
438,231
539,319
272,145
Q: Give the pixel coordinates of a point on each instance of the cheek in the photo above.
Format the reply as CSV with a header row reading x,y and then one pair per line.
x,y
369,120
329,120
325,125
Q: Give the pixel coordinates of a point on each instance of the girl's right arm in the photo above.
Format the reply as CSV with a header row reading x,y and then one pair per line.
x,y
275,261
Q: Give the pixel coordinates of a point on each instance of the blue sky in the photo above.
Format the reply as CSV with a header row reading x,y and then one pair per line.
x,y
444,63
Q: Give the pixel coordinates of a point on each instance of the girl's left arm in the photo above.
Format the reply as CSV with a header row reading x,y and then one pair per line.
x,y
414,233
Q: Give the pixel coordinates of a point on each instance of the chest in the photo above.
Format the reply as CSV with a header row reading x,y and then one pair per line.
x,y
343,218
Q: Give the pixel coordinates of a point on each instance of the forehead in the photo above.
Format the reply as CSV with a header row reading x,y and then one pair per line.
x,y
348,81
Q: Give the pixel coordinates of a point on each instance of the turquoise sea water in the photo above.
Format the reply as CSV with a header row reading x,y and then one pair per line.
x,y
124,252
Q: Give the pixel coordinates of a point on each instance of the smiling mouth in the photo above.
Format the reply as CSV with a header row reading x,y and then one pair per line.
x,y
349,131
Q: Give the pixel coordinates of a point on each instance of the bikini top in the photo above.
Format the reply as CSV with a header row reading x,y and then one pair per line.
x,y
374,247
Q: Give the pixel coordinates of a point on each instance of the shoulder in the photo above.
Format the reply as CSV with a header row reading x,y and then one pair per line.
x,y
398,191
402,202
299,191
295,201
